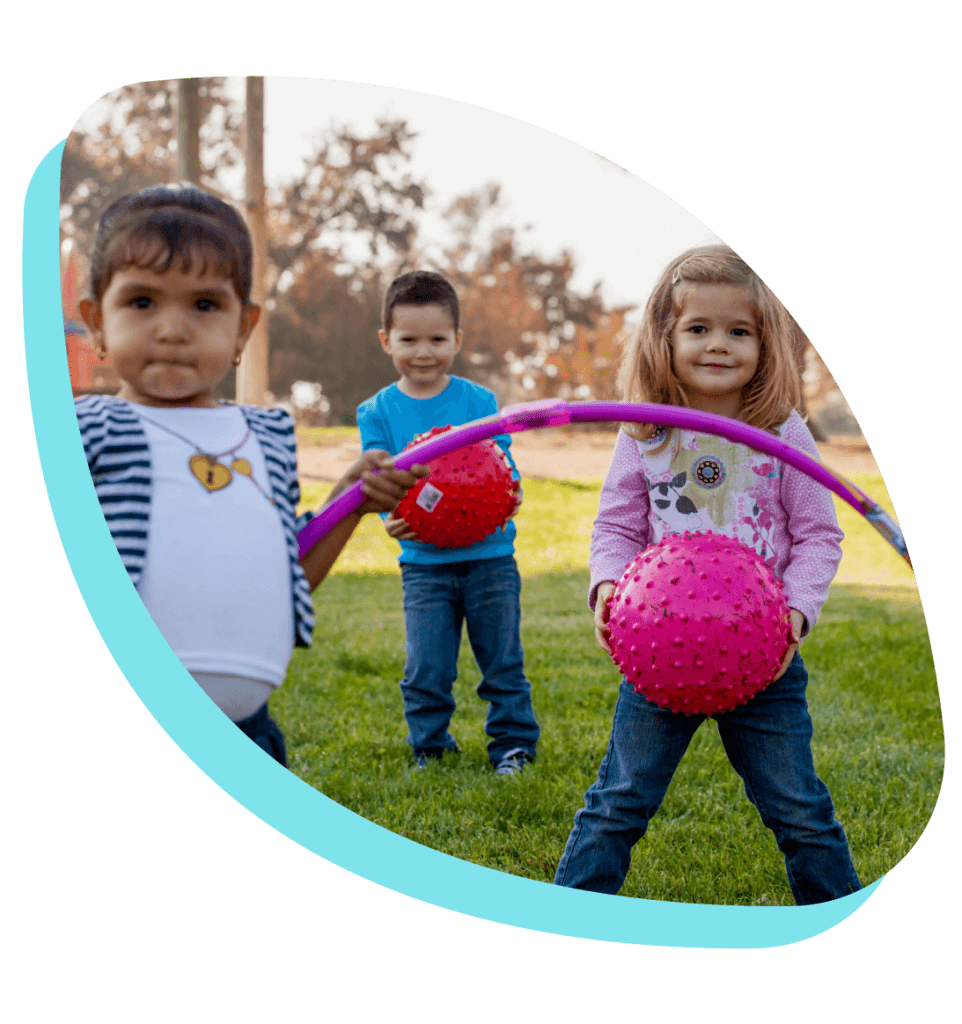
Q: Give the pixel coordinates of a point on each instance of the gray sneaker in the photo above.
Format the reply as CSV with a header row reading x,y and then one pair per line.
x,y
513,762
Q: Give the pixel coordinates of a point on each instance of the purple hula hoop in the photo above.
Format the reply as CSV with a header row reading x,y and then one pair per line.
x,y
556,412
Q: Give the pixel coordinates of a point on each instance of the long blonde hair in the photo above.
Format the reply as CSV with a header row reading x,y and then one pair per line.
x,y
646,373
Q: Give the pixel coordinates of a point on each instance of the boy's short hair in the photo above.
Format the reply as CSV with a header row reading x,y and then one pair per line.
x,y
420,288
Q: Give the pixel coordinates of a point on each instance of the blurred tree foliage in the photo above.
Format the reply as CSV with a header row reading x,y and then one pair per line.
x,y
338,231
528,332
135,147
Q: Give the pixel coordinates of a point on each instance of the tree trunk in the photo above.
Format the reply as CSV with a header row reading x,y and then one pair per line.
x,y
188,129
252,380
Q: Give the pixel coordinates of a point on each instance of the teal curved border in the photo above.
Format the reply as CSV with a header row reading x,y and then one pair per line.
x,y
250,776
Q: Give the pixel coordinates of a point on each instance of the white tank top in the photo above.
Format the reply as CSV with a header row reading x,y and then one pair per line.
x,y
217,580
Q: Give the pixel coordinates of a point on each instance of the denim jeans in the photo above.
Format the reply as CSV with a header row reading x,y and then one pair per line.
x,y
264,731
485,594
767,740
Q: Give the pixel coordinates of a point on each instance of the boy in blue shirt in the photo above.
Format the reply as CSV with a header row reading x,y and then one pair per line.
x,y
445,587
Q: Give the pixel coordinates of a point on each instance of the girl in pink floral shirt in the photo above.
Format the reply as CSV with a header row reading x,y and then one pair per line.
x,y
715,338
679,480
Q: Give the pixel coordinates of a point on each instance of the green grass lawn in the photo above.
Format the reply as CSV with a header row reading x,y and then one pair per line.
x,y
554,531
878,737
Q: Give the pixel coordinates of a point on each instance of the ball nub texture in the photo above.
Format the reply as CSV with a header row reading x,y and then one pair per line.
x,y
468,495
699,623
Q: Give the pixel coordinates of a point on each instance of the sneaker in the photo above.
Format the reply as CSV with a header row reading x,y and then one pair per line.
x,y
513,762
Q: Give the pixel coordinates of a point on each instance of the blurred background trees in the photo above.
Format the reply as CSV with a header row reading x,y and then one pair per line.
x,y
339,230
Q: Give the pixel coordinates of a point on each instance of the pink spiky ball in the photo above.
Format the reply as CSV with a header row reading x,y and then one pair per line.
x,y
467,495
699,623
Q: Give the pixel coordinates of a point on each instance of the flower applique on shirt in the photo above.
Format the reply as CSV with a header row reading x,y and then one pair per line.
x,y
759,519
703,482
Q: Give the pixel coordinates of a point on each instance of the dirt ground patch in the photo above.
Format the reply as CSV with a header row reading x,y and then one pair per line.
x,y
559,454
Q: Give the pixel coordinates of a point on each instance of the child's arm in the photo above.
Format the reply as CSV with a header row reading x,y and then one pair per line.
x,y
374,436
504,442
813,527
603,592
621,527
620,530
384,486
798,621
515,472
518,490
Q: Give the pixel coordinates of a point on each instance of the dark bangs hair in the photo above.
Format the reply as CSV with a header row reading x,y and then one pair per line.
x,y
170,225
420,288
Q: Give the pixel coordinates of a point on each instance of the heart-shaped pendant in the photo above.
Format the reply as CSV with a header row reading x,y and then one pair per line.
x,y
243,467
212,474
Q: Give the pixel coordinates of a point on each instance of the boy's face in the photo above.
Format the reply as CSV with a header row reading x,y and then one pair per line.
x,y
422,344
171,337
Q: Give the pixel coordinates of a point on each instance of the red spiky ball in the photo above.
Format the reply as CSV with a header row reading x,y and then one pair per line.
x,y
467,495
699,623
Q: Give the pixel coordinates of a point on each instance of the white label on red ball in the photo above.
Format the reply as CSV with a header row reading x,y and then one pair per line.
x,y
429,497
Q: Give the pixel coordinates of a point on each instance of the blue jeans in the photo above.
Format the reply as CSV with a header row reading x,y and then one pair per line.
x,y
486,594
263,730
767,740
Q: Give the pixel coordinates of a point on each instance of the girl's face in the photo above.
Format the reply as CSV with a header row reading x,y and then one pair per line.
x,y
171,337
715,346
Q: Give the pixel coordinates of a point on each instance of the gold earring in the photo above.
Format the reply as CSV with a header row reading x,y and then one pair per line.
x,y
101,354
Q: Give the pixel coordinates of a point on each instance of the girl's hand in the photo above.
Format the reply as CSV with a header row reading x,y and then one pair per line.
x,y
398,529
798,624
602,629
386,488
384,485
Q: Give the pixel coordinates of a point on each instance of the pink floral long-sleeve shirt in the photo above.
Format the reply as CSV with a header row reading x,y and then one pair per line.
x,y
702,482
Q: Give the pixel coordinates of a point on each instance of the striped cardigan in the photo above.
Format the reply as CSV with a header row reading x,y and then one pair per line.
x,y
118,457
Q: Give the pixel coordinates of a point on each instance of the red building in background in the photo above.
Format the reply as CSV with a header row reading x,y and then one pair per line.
x,y
88,374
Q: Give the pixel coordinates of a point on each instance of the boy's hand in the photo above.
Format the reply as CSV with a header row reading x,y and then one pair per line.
x,y
798,624
398,528
602,629
384,485
518,498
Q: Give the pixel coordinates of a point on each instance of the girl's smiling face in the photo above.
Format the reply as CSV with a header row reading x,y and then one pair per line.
x,y
715,346
172,336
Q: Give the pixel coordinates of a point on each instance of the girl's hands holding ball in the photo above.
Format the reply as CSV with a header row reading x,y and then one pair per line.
x,y
798,624
602,611
603,630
